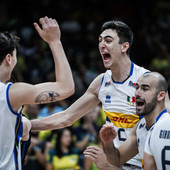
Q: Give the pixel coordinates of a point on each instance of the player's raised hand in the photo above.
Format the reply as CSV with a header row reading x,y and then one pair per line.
x,y
50,30
107,133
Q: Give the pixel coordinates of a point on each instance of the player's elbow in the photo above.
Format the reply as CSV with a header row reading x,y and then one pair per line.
x,y
26,128
69,90
26,125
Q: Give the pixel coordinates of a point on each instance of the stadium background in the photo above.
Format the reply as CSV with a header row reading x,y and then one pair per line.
x,y
80,23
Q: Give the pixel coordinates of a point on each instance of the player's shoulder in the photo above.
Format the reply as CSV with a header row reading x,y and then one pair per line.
x,y
99,77
161,128
138,71
164,122
96,83
106,76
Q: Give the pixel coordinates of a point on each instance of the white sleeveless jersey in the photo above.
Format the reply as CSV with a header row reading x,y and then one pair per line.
x,y
10,132
142,132
158,143
118,102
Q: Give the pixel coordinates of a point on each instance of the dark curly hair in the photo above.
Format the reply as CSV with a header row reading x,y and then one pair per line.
x,y
8,43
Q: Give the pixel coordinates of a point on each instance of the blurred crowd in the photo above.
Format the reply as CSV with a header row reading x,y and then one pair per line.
x,y
80,23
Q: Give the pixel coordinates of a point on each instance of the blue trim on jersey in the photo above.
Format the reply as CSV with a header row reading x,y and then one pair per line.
x,y
23,150
131,69
147,72
101,85
130,74
15,159
140,117
107,119
102,81
18,135
8,102
118,82
159,116
164,111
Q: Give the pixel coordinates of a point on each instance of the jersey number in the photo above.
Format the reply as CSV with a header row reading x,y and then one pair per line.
x,y
119,132
164,160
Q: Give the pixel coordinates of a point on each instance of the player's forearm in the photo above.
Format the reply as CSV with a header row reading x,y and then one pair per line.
x,y
55,121
112,153
62,68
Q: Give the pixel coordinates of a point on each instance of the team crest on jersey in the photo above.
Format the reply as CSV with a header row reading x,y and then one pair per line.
x,y
108,83
131,84
131,100
108,97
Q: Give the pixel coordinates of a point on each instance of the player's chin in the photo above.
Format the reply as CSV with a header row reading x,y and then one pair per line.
x,y
107,66
139,112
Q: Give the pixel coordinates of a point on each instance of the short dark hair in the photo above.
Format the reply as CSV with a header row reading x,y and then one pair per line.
x,y
123,31
8,43
161,84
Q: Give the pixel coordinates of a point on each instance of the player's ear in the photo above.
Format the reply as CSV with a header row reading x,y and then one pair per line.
x,y
8,59
161,96
125,47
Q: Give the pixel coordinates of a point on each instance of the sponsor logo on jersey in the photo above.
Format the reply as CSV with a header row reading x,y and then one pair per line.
x,y
122,120
108,83
108,97
141,125
131,84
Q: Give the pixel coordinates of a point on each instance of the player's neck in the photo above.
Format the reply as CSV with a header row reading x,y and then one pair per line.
x,y
3,74
121,71
151,117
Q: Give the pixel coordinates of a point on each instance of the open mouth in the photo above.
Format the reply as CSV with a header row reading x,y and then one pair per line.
x,y
106,57
139,103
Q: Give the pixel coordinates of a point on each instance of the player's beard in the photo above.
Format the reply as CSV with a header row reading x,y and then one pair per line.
x,y
149,107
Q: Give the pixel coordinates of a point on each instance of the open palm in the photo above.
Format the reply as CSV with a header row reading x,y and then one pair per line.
x,y
107,133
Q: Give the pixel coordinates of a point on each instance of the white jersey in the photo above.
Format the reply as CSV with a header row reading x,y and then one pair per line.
x,y
10,132
118,102
141,133
158,143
